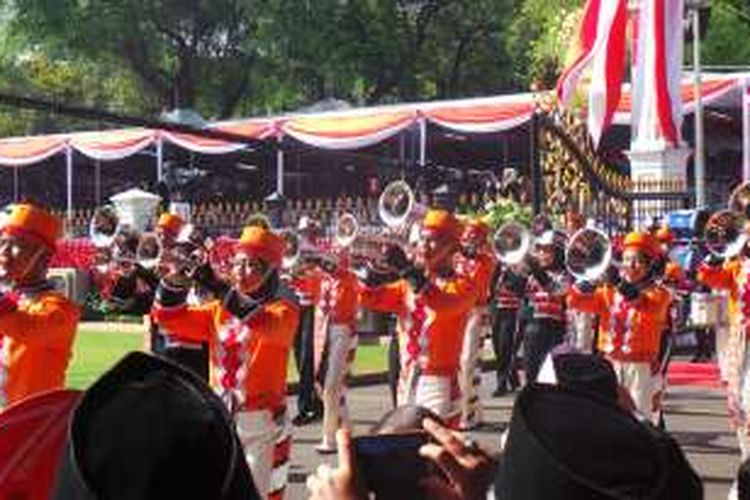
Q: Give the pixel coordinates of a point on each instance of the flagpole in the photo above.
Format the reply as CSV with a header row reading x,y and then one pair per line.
x,y
745,131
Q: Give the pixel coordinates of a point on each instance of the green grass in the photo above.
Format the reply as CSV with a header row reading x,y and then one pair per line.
x,y
96,350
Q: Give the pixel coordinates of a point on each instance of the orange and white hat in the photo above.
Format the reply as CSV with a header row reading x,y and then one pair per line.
x,y
262,243
170,223
32,223
645,242
441,223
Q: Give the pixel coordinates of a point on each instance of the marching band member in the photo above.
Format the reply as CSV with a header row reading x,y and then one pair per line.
x,y
432,305
37,324
170,343
633,316
581,325
546,287
508,292
338,304
168,227
476,261
251,327
132,287
733,275
304,279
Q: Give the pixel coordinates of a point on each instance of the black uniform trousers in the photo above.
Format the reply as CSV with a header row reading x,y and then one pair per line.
x,y
308,401
541,335
504,343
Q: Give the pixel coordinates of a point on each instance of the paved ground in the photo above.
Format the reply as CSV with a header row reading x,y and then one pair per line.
x,y
696,416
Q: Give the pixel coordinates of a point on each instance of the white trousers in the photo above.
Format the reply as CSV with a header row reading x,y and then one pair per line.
x,y
641,384
470,374
582,331
738,389
438,393
342,346
726,327
266,442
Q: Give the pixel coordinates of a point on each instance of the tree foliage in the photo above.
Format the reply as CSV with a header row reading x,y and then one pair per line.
x,y
248,57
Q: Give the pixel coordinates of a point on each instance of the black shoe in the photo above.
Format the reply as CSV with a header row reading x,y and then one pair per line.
x,y
500,391
304,419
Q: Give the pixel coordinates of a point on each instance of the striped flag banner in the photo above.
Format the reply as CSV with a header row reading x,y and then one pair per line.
x,y
657,104
600,47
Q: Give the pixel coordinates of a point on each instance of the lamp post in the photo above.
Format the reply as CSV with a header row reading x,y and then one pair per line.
x,y
699,158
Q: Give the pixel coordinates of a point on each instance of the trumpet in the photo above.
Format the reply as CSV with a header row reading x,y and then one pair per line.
x,y
402,216
726,233
588,254
190,250
346,229
121,244
511,242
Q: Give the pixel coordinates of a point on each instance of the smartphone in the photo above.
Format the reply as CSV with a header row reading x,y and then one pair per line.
x,y
390,465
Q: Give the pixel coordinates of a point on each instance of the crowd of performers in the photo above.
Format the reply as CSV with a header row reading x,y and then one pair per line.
x,y
237,324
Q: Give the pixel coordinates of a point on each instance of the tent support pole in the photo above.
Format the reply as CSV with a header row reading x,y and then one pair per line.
x,y
69,179
279,168
422,142
98,182
159,158
15,183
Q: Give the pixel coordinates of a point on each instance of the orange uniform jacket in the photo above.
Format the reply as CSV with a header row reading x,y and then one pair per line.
x,y
250,355
733,276
480,271
636,325
36,339
432,322
339,296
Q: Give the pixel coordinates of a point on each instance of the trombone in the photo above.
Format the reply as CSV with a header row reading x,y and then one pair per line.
x,y
345,232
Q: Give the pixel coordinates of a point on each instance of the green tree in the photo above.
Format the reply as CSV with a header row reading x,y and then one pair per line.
x,y
540,37
371,52
185,53
36,69
729,22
